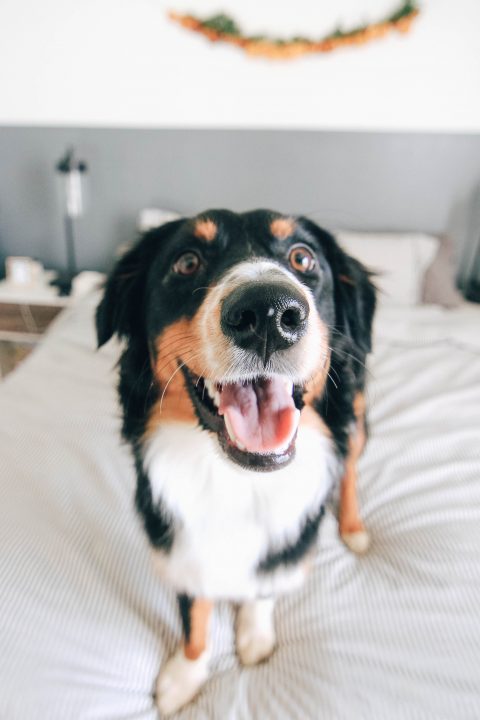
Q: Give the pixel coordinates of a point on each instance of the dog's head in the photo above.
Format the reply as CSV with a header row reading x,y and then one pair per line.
x,y
236,313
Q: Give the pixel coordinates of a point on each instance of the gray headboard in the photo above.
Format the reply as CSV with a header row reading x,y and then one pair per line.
x,y
374,181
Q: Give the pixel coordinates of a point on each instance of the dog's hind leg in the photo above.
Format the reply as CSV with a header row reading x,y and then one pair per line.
x,y
185,673
352,529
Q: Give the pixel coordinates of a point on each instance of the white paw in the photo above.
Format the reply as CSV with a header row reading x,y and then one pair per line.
x,y
255,631
358,542
179,681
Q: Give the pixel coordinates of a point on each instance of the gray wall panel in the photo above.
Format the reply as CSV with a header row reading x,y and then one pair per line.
x,y
375,181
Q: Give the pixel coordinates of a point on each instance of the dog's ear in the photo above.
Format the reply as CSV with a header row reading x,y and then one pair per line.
x,y
355,299
119,311
121,296
354,291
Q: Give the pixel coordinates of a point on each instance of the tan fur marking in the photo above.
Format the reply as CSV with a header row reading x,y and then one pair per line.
x,y
359,408
350,520
179,342
196,644
315,387
282,228
346,279
205,229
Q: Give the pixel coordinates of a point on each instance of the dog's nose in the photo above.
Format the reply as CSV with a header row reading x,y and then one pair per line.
x,y
265,317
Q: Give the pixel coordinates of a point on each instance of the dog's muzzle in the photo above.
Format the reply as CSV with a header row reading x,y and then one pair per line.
x,y
264,317
269,342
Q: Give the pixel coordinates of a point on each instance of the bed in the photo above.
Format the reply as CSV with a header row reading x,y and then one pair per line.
x,y
85,624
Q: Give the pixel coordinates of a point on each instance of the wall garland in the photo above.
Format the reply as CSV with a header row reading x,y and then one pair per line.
x,y
222,28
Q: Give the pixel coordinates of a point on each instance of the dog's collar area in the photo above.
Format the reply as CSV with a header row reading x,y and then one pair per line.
x,y
255,420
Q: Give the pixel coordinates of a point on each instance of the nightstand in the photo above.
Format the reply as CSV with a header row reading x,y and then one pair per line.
x,y
25,314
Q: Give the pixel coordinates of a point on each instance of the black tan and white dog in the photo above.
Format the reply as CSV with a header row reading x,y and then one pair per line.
x,y
242,383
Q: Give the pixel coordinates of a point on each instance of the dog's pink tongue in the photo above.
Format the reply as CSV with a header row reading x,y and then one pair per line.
x,y
260,416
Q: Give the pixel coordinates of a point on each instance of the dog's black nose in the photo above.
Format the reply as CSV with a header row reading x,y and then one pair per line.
x,y
265,317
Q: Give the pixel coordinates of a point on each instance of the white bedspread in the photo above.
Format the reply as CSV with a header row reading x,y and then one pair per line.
x,y
85,624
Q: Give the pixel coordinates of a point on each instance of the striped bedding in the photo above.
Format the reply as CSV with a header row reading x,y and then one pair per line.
x,y
85,624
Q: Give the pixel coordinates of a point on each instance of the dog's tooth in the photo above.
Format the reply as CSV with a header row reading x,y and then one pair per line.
x,y
289,385
240,445
229,429
210,387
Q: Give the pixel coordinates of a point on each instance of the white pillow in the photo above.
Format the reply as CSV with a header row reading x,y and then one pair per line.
x,y
150,218
399,259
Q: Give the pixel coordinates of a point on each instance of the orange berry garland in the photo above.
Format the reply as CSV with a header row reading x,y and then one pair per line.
x,y
222,28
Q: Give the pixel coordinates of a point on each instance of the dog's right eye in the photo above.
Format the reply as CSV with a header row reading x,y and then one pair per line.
x,y
302,259
187,264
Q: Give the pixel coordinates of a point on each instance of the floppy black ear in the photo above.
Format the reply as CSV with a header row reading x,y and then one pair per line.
x,y
120,310
354,292
121,297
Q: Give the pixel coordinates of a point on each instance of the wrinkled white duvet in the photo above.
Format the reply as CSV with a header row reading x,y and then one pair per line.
x,y
85,624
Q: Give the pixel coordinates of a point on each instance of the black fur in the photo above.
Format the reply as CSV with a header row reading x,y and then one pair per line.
x,y
158,524
143,296
185,603
294,552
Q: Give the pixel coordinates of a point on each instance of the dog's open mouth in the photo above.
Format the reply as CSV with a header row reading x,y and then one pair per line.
x,y
256,421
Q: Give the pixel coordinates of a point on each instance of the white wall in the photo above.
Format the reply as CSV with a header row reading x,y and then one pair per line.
x,y
122,63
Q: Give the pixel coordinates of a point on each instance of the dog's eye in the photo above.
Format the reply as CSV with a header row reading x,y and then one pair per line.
x,y
302,259
187,264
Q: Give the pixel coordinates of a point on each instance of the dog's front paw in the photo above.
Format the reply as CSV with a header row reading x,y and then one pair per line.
x,y
179,681
255,631
355,536
358,542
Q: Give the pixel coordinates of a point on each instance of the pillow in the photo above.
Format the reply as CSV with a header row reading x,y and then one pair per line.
x,y
150,218
439,280
399,259
464,230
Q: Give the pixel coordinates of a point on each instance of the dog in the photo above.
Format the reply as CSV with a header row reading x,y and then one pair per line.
x,y
242,386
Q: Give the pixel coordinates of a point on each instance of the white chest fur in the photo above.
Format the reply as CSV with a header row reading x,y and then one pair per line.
x,y
228,518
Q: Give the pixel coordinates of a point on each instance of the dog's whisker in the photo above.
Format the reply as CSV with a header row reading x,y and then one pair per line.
x,y
174,340
170,359
332,369
164,361
183,364
333,381
204,287
147,395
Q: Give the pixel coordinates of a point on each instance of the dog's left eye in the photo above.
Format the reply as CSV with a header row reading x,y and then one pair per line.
x,y
302,259
187,264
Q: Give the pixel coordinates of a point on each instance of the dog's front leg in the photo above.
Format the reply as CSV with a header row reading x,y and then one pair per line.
x,y
255,631
352,529
184,674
